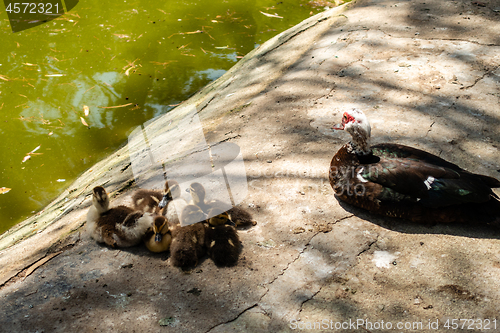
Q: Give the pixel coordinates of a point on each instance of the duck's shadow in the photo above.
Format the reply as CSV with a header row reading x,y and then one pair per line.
x,y
470,230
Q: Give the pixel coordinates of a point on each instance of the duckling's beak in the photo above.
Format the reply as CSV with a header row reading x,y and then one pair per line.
x,y
188,190
231,223
164,201
158,237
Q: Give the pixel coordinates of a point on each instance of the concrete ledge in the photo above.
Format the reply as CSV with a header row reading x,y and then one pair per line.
x,y
426,75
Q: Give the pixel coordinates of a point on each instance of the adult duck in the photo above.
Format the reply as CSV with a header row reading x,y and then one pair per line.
x,y
400,181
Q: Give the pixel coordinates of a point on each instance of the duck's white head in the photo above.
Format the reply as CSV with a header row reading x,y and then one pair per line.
x,y
100,199
356,124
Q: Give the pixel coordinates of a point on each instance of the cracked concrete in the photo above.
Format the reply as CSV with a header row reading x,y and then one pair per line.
x,y
426,74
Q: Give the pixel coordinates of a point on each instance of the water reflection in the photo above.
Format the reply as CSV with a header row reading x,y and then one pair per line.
x,y
128,63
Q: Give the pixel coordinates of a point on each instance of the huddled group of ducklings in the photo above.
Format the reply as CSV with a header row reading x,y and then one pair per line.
x,y
154,220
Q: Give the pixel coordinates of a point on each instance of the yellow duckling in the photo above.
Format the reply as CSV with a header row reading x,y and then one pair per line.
x,y
158,238
238,215
188,244
221,239
171,203
120,226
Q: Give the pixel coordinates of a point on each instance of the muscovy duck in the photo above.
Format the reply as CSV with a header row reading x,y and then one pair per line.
x,y
400,181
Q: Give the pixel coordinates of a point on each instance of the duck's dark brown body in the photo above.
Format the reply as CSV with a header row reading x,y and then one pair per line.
x,y
405,182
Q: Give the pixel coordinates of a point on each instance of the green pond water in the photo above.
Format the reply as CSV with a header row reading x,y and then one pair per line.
x,y
146,55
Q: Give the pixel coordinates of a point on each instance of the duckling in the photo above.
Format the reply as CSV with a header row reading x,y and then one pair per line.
x,y
120,226
198,197
158,238
171,203
238,215
146,200
198,194
221,239
188,242
241,217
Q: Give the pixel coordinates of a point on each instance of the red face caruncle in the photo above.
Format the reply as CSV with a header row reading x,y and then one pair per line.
x,y
347,118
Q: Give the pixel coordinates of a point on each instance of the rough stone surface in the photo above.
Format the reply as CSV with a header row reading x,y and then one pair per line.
x,y
426,74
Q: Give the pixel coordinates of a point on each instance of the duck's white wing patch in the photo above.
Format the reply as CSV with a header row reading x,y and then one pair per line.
x,y
360,177
428,182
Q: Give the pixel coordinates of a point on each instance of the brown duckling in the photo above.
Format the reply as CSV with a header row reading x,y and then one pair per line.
x,y
171,203
241,217
153,200
221,239
119,226
158,238
198,197
188,241
238,215
146,200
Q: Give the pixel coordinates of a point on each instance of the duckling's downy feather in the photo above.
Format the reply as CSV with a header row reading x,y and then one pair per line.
x,y
238,215
158,238
221,239
223,244
120,226
188,244
146,200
